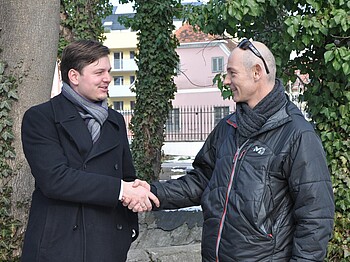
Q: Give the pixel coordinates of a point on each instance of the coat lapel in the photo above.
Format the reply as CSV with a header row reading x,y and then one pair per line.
x,y
68,117
109,138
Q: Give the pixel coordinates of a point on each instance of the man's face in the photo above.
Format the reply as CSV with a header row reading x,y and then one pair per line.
x,y
240,79
92,83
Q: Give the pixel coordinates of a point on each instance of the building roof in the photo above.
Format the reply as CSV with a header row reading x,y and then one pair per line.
x,y
187,34
111,22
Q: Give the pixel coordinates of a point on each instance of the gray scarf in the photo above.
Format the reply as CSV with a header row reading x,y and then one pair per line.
x,y
250,121
94,114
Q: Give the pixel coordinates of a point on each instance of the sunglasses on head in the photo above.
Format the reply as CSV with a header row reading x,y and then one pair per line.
x,y
246,44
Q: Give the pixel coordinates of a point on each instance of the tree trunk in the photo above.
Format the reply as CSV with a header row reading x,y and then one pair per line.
x,y
29,40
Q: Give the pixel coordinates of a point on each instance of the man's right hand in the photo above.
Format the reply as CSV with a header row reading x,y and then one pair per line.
x,y
137,196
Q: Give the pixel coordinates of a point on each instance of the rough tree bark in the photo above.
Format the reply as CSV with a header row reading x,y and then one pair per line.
x,y
29,32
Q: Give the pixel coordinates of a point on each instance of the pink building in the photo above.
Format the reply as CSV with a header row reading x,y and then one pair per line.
x,y
202,56
198,105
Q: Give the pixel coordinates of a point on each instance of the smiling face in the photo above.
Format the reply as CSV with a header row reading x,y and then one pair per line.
x,y
93,80
247,76
241,79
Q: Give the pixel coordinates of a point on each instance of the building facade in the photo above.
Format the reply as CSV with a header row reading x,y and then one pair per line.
x,y
201,58
198,104
122,45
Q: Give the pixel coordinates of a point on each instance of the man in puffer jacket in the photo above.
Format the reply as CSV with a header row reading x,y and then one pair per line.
x,y
261,176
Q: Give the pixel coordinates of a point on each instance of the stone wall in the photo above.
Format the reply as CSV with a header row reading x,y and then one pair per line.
x,y
168,236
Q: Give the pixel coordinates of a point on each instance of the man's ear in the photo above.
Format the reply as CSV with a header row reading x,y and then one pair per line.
x,y
73,76
257,72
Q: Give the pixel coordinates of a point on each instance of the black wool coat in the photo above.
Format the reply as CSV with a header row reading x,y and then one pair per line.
x,y
75,213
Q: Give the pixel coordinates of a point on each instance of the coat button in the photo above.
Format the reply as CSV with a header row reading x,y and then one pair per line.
x,y
75,227
119,226
116,166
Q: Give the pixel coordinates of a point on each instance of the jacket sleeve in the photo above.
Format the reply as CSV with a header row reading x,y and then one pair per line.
x,y
50,168
187,190
312,192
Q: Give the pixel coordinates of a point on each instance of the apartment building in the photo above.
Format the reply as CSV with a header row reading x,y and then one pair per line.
x,y
201,58
122,45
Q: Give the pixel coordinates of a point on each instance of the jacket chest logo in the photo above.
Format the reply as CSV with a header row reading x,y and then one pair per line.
x,y
259,150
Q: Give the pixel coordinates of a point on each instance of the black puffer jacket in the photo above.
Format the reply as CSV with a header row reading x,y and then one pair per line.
x,y
269,200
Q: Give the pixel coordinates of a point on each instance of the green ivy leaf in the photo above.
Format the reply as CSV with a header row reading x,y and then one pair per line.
x,y
7,136
12,94
291,31
346,68
336,65
324,30
10,154
328,56
227,94
5,105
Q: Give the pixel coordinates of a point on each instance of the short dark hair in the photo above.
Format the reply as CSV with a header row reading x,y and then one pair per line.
x,y
79,54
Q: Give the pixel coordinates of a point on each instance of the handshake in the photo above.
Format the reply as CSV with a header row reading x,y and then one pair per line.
x,y
137,196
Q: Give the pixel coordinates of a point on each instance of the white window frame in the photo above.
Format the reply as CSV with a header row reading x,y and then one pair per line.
x,y
217,64
118,60
118,80
119,104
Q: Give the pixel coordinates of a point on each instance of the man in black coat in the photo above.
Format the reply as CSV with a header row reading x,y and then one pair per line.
x,y
261,176
79,155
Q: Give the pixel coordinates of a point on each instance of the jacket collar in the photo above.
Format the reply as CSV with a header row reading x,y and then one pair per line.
x,y
232,121
281,117
278,119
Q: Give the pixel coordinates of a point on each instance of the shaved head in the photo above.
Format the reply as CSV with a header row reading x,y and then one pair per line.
x,y
269,58
250,80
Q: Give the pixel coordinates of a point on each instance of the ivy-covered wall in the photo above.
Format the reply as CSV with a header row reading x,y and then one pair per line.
x,y
10,237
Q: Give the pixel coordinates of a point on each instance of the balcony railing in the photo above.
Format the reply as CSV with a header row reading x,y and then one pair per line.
x,y
120,91
121,65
